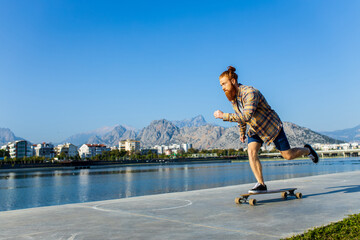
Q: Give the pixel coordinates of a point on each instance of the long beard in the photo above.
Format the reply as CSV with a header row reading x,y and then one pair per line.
x,y
231,94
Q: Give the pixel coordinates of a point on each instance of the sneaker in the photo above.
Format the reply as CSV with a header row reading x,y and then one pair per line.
x,y
258,188
313,155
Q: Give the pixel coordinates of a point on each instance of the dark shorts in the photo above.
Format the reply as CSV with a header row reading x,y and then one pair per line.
x,y
281,142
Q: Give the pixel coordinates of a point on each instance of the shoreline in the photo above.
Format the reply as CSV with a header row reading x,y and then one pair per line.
x,y
99,165
108,164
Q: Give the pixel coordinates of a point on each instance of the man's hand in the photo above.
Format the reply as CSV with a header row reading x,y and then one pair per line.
x,y
242,138
218,114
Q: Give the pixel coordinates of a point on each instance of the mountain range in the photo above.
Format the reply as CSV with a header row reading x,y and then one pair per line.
x,y
197,131
211,136
6,135
347,135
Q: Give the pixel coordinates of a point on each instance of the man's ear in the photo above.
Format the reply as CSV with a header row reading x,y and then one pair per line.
x,y
233,81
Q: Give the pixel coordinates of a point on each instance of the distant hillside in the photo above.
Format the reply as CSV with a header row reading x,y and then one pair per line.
x,y
298,136
202,137
118,133
347,135
210,136
198,132
195,131
6,135
193,122
106,135
157,133
82,138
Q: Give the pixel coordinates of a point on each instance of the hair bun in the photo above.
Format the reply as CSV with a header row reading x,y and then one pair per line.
x,y
231,69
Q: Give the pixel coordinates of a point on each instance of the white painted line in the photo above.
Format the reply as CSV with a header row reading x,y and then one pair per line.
x,y
96,207
170,208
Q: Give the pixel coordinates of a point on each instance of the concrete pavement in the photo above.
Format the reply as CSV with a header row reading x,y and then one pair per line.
x,y
201,214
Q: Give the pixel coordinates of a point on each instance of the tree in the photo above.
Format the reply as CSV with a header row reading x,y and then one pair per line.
x,y
61,156
193,150
4,153
231,151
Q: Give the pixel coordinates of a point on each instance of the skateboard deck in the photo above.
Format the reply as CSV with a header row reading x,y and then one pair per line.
x,y
285,192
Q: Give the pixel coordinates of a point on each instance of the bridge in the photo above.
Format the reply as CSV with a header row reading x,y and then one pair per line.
x,y
341,152
324,153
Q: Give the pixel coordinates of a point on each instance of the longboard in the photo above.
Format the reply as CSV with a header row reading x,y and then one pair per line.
x,y
285,192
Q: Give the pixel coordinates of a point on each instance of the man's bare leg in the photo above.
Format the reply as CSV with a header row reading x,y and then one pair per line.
x,y
295,153
255,164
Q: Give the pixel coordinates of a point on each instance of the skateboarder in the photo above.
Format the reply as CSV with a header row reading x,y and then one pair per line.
x,y
264,124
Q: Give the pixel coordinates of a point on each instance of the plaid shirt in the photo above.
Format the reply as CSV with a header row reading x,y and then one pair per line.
x,y
252,108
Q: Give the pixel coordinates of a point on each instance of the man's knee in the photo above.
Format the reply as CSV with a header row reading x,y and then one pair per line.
x,y
252,152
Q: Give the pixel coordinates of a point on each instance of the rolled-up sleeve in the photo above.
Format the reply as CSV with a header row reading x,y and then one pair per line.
x,y
231,117
251,101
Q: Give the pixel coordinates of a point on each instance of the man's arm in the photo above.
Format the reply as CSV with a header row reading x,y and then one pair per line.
x,y
250,104
242,126
230,117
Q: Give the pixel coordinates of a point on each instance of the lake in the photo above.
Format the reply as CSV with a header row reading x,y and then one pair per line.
x,y
27,189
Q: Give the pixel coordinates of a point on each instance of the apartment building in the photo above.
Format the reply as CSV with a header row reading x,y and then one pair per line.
x,y
44,150
174,148
69,149
20,149
186,146
129,145
90,150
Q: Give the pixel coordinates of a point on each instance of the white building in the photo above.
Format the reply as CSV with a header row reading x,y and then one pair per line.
x,y
345,146
90,150
161,149
20,149
174,148
354,145
266,147
317,146
342,146
186,146
129,145
5,147
114,148
45,150
69,149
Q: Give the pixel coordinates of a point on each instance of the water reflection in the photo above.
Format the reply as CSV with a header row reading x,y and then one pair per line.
x,y
10,187
42,188
83,185
128,182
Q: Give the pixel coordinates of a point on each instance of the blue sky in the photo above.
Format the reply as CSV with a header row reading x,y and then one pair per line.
x,y
72,66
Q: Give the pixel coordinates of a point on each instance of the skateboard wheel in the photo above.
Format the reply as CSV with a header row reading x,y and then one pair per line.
x,y
238,200
252,202
284,195
298,195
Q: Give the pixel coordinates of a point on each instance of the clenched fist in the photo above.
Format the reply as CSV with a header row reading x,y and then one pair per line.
x,y
218,114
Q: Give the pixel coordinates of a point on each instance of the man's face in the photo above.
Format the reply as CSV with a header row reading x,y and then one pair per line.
x,y
228,88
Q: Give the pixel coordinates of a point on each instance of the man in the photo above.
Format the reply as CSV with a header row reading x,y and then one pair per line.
x,y
264,124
